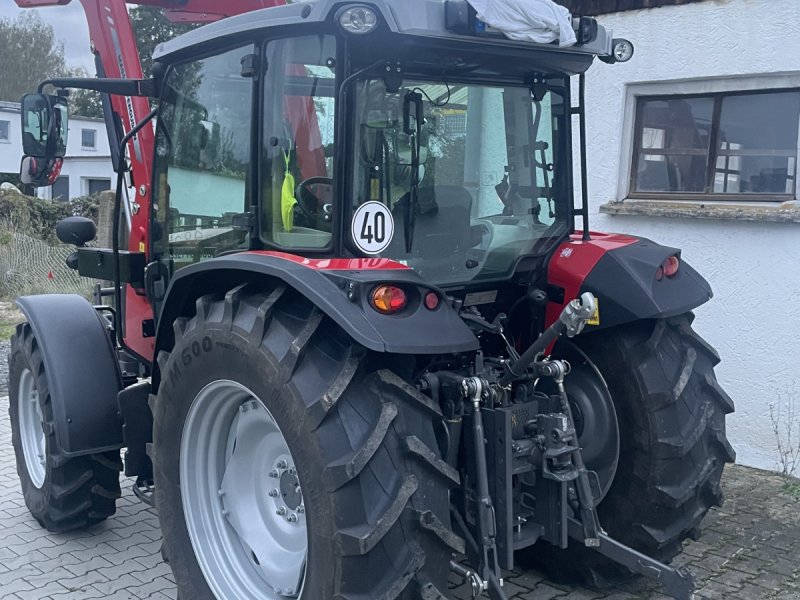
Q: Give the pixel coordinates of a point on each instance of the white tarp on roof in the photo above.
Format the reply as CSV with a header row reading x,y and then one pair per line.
x,y
541,21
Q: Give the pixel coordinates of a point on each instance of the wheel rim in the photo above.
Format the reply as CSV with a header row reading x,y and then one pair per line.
x,y
241,496
31,429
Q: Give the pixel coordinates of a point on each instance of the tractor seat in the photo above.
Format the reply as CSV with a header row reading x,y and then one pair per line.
x,y
442,225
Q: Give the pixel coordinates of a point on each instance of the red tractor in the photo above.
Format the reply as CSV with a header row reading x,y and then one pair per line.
x,y
356,340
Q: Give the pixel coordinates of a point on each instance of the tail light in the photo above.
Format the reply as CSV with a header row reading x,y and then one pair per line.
x,y
388,299
668,268
431,300
671,266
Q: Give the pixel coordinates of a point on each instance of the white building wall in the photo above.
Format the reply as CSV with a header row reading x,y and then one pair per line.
x,y
80,163
753,267
11,148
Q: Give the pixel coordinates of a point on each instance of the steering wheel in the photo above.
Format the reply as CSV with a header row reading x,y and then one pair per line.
x,y
309,204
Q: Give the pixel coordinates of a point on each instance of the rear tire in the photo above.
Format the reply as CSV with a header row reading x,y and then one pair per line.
x,y
62,493
374,488
673,449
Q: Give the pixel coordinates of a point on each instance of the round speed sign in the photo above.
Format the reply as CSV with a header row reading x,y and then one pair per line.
x,y
372,227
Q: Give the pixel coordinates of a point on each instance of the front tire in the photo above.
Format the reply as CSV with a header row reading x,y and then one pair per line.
x,y
61,493
357,441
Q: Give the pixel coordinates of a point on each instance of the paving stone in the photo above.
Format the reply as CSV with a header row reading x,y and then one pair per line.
x,y
748,550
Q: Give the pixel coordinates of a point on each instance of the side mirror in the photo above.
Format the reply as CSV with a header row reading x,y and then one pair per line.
x,y
45,125
76,230
40,172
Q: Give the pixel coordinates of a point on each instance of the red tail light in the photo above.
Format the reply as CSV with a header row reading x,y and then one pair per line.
x,y
431,300
671,266
388,299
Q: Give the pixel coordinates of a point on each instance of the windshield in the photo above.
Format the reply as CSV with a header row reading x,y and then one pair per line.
x,y
470,176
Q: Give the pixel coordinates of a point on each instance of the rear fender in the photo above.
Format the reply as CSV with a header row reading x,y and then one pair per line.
x,y
340,288
82,372
620,271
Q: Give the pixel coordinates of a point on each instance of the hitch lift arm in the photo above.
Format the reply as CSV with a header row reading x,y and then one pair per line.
x,y
678,583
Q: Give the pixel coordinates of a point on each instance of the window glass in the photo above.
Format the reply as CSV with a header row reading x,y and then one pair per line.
x,y
4,130
721,144
758,143
61,188
299,142
203,158
486,186
88,138
674,141
98,185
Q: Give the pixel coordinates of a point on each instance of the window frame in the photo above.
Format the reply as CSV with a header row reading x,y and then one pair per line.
x,y
714,152
90,180
338,229
161,250
84,146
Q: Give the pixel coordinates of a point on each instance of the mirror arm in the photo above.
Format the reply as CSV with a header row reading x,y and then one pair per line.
x,y
119,87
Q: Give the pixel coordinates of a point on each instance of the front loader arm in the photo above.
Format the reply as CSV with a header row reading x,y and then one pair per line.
x,y
113,42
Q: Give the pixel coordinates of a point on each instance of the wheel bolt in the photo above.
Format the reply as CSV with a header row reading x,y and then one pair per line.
x,y
274,473
281,511
292,471
282,464
301,509
273,493
292,518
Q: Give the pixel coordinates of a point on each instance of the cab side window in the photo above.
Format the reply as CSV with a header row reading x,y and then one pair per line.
x,y
299,142
203,159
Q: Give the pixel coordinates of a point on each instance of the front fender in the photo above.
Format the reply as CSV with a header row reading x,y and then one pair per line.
x,y
340,288
621,272
82,372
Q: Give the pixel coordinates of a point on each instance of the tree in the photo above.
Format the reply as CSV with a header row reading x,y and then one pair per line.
x,y
84,103
30,54
152,28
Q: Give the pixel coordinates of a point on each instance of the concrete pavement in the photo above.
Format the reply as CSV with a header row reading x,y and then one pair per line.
x,y
750,549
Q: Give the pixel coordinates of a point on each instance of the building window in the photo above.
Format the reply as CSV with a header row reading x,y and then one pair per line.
x,y
4,130
88,139
61,188
95,186
726,146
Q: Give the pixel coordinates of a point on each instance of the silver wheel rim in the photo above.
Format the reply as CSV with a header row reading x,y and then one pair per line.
x,y
31,429
241,496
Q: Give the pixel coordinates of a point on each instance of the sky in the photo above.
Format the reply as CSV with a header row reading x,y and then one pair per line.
x,y
69,26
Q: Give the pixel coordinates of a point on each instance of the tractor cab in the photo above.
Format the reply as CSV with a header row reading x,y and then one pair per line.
x,y
404,132
339,343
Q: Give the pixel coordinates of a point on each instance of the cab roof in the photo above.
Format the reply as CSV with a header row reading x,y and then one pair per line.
x,y
409,18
